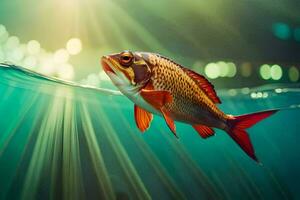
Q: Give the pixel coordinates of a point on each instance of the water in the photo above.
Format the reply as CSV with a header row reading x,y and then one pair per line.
x,y
63,140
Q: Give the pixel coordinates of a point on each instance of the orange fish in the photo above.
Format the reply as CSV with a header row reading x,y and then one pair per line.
x,y
158,85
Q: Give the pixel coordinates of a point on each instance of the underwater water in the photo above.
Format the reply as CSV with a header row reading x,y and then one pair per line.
x,y
60,140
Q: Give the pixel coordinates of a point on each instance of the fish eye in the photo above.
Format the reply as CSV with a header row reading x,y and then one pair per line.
x,y
126,59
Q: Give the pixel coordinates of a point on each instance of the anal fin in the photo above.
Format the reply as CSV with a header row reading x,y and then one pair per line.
x,y
169,121
204,131
142,117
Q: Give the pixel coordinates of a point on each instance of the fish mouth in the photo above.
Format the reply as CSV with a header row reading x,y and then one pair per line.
x,y
106,64
114,74
118,78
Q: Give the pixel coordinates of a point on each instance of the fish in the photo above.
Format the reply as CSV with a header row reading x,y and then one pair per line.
x,y
158,85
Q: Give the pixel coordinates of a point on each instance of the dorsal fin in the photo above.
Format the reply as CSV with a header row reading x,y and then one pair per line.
x,y
204,84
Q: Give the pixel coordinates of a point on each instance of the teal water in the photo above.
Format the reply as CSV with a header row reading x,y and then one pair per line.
x,y
61,140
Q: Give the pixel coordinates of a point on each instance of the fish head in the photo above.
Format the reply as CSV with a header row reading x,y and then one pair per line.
x,y
128,70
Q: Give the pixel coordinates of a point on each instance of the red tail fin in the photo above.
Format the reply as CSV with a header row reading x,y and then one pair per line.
x,y
237,127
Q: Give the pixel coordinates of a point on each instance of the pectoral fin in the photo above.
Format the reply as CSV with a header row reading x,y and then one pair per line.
x,y
204,131
156,98
143,118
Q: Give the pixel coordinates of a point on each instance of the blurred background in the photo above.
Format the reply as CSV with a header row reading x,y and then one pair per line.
x,y
246,42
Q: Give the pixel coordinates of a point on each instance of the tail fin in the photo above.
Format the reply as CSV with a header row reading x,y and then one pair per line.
x,y
237,127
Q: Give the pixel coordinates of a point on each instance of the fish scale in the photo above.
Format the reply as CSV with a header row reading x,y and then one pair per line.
x,y
189,99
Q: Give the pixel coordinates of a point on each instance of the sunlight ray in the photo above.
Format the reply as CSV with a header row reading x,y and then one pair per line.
x,y
14,125
96,154
153,161
126,164
71,167
44,149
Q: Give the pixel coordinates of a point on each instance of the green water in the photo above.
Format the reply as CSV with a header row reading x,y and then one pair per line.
x,y
61,140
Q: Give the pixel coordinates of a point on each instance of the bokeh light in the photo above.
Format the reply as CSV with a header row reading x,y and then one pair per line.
x,y
33,47
297,34
74,46
276,72
17,54
265,71
232,92
281,30
231,69
66,71
61,56
220,69
253,95
259,95
47,67
294,74
223,68
245,90
93,80
278,90
32,56
246,69
12,42
265,95
212,70
30,61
